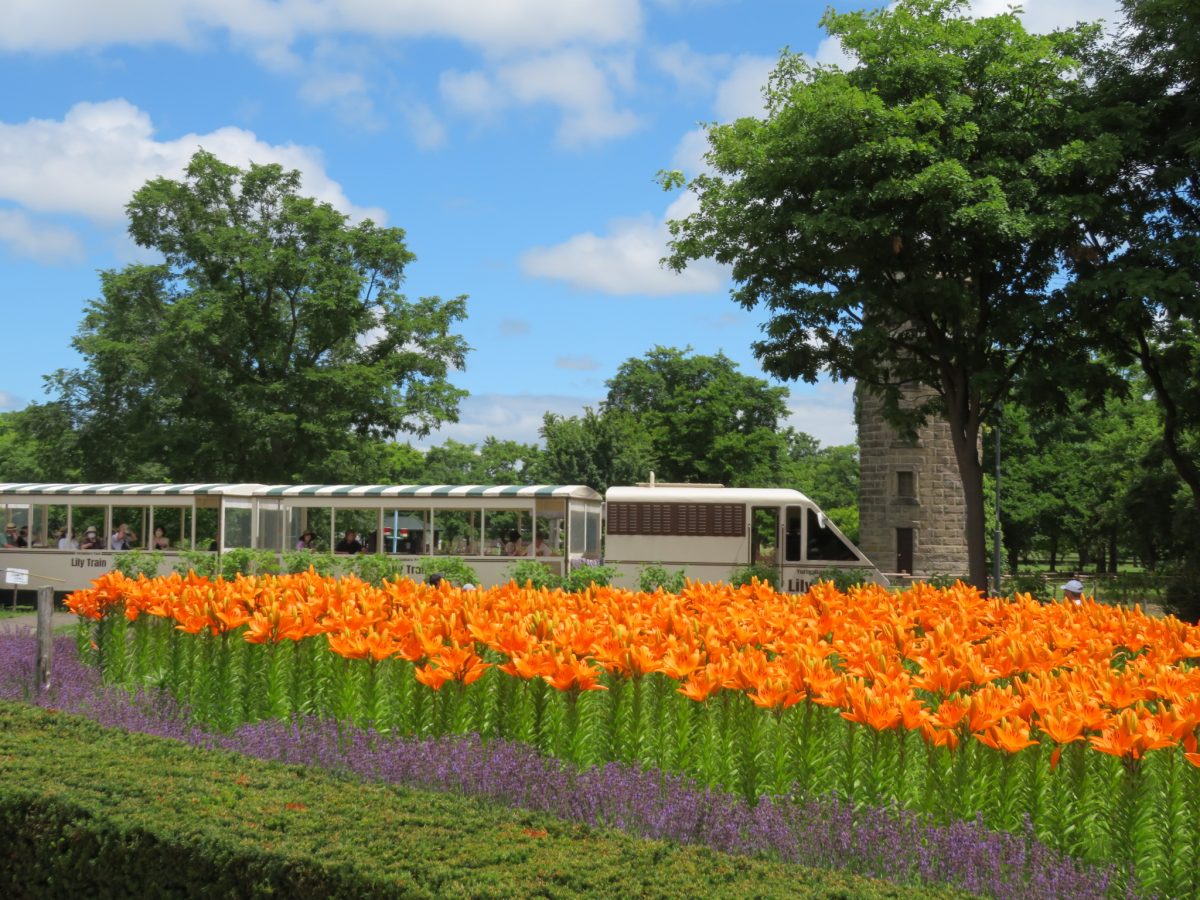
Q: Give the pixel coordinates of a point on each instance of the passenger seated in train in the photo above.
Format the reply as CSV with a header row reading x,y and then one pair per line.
x,y
540,547
10,535
91,540
349,544
66,540
515,546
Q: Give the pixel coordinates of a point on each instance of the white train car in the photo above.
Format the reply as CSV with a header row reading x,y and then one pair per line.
x,y
710,530
488,526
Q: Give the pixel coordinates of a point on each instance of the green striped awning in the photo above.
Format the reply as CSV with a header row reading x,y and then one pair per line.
x,y
574,491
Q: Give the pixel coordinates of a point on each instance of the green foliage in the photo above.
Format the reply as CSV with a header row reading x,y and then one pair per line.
x,y
747,574
74,806
596,449
827,475
244,561
844,579
1137,283
532,572
452,568
652,578
323,563
138,562
706,421
580,578
202,562
1032,583
940,581
371,567
241,355
1183,594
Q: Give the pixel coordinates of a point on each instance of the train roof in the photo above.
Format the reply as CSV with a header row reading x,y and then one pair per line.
x,y
26,490
677,493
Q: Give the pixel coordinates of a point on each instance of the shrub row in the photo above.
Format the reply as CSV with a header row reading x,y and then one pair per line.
x,y
98,812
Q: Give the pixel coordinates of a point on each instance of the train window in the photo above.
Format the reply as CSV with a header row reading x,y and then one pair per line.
x,y
763,550
456,532
305,520
363,522
236,531
88,525
405,531
823,542
578,533
136,520
683,519
176,525
591,516
508,532
270,528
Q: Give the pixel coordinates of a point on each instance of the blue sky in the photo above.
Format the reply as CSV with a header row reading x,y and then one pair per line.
x,y
516,141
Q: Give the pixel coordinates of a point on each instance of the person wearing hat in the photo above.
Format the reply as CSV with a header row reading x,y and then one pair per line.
x,y
1073,591
10,535
91,539
307,541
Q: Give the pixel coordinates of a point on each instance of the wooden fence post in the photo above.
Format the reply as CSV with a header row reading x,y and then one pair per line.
x,y
45,636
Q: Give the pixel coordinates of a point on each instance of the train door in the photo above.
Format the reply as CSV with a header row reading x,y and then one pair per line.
x,y
764,537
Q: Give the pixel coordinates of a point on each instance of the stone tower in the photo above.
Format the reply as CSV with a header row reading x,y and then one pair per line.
x,y
910,504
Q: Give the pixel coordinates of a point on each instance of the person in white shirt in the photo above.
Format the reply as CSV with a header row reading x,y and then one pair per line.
x,y
67,541
117,541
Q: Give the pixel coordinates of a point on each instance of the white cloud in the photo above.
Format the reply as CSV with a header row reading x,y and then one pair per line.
x,y
1047,15
826,412
513,417
585,363
91,161
25,237
10,401
496,26
514,327
740,93
472,93
623,261
689,153
688,68
568,79
426,128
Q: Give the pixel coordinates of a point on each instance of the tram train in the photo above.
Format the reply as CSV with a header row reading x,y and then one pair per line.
x,y
707,530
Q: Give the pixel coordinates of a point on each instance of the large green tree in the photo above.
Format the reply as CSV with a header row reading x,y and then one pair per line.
x,y
705,420
272,342
598,449
902,221
1139,274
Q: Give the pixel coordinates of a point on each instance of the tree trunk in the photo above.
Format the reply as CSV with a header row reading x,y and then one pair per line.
x,y
1053,554
964,434
1112,551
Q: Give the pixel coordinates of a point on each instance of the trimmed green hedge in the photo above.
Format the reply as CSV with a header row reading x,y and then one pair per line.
x,y
95,812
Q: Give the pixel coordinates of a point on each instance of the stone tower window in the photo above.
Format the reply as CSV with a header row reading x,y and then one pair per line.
x,y
906,483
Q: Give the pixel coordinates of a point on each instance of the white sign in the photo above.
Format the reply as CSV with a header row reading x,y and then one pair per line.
x,y
16,576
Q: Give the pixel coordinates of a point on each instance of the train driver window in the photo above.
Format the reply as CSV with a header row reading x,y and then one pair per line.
x,y
823,542
792,545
